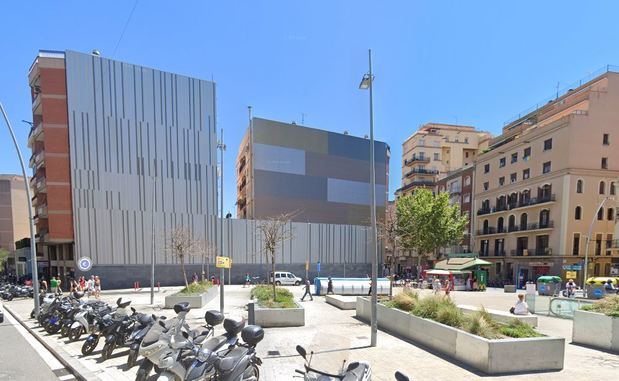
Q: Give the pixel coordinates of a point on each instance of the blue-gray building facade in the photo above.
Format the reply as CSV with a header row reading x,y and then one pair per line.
x,y
320,176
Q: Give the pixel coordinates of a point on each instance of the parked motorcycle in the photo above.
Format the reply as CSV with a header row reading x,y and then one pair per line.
x,y
144,324
118,334
104,326
355,371
241,363
86,318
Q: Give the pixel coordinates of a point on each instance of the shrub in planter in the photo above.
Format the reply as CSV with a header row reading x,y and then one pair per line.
x,y
608,306
264,295
196,288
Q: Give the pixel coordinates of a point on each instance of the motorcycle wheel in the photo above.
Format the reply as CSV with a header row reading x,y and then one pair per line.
x,y
132,358
64,331
106,353
89,346
144,370
52,329
254,374
32,315
9,298
75,333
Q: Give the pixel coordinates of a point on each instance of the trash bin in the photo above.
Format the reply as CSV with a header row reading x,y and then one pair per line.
x,y
530,288
548,285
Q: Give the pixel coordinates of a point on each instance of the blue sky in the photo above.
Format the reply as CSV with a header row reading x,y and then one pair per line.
x,y
471,62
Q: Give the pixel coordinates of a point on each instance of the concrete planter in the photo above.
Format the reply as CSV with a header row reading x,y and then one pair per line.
x,y
489,356
195,301
509,288
500,316
279,317
596,330
342,302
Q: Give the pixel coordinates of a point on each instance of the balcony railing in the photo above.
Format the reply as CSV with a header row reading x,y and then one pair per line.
x,y
536,200
491,230
421,171
37,160
532,226
417,159
41,186
35,134
511,206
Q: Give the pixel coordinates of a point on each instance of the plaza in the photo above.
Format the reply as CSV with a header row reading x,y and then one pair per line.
x,y
334,335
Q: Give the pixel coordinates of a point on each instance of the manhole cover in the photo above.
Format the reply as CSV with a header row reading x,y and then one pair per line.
x,y
273,353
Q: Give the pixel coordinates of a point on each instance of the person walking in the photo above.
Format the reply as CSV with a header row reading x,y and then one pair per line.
x,y
58,285
330,287
90,286
447,288
308,291
570,287
97,287
43,286
82,283
247,280
609,287
436,285
194,278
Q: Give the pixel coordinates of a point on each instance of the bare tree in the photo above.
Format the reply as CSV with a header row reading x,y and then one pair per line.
x,y
388,232
274,230
181,245
207,250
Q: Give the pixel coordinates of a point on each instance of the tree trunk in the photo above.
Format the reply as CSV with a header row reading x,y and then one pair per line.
x,y
182,258
273,272
202,268
208,268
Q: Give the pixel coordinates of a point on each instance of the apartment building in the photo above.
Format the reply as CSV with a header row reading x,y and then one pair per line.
x,y
320,176
549,176
14,218
435,150
459,185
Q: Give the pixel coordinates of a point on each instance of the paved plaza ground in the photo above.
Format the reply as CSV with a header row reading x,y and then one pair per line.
x,y
336,335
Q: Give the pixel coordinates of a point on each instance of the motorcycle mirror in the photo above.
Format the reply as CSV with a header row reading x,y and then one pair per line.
x,y
133,310
161,323
352,365
301,351
118,301
401,377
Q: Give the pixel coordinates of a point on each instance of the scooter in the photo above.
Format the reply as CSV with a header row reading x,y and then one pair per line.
x,y
241,363
145,322
118,335
103,326
90,314
355,371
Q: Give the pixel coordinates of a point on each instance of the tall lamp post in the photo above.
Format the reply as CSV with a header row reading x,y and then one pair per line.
x,y
33,250
366,83
222,147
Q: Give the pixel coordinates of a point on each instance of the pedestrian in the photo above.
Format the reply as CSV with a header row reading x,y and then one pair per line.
x,y
58,285
330,286
570,286
43,286
308,287
247,280
521,307
194,278
97,286
213,279
474,286
91,286
82,283
447,287
370,289
436,285
53,284
72,287
609,287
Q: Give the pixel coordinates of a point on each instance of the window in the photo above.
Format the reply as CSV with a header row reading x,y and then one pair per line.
x,y
523,221
467,198
606,139
602,187
486,185
578,213
544,219
501,162
422,142
601,214
486,168
467,181
466,140
547,144
466,154
513,177
576,244
527,154
598,244
579,185
526,174
514,157
436,157
604,163
612,188
609,243
501,180
546,167
610,214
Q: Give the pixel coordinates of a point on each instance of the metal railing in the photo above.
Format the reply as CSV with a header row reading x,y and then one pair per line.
x,y
421,171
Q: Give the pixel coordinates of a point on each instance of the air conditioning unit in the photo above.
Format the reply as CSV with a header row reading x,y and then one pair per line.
x,y
525,252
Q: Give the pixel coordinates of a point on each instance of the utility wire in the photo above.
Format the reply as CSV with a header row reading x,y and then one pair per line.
x,y
125,28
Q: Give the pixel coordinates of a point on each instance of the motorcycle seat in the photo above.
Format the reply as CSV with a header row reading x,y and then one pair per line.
x,y
360,369
214,343
231,360
145,319
182,307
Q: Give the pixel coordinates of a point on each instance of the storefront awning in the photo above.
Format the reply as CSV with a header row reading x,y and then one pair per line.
x,y
460,263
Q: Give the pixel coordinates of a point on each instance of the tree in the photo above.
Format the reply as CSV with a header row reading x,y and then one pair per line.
x,y
274,231
182,246
388,232
4,257
207,250
427,222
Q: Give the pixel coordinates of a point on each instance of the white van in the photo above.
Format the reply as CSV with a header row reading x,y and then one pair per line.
x,y
285,278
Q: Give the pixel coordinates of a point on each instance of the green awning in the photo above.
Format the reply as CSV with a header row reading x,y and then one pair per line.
x,y
460,263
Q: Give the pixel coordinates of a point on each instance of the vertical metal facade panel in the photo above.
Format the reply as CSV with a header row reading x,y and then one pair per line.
x,y
127,124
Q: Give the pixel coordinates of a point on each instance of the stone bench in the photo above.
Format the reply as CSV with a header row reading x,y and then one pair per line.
x,y
511,288
501,316
342,302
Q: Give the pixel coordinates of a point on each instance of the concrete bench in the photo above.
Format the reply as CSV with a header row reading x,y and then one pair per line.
x,y
511,288
501,316
342,302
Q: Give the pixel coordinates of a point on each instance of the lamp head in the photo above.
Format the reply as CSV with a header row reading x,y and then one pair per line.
x,y
365,82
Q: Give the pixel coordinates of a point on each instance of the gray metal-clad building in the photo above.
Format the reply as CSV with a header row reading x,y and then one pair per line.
x,y
322,176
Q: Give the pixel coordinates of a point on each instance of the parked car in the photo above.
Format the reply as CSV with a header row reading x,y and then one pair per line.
x,y
285,278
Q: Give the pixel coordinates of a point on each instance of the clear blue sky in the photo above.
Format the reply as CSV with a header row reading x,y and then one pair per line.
x,y
472,62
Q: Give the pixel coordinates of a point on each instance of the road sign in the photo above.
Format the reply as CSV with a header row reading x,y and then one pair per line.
x,y
570,274
572,267
223,262
84,264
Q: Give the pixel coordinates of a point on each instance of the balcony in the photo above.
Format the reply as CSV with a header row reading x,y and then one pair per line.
x,y
523,204
417,159
42,211
37,160
521,252
455,190
36,133
421,171
532,226
40,186
492,230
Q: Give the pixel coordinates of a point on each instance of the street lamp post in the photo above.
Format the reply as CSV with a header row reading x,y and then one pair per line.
x,y
366,83
222,147
33,251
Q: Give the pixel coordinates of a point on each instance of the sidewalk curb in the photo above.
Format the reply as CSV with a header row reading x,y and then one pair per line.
x,y
78,370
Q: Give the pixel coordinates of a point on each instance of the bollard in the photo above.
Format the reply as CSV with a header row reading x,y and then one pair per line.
x,y
251,317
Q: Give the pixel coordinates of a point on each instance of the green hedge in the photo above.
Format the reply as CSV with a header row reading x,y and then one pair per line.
x,y
264,295
196,288
608,306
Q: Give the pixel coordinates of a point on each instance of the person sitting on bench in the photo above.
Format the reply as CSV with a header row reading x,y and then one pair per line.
x,y
521,307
